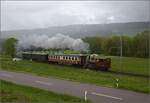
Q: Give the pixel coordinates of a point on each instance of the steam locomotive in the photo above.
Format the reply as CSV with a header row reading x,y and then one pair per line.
x,y
83,60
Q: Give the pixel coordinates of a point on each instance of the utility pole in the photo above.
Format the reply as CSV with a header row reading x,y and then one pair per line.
x,y
120,51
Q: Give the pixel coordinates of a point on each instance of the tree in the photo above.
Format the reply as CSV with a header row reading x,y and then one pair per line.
x,y
112,45
9,46
141,44
95,44
127,46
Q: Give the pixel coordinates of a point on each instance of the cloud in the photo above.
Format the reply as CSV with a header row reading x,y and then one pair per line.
x,y
111,19
42,14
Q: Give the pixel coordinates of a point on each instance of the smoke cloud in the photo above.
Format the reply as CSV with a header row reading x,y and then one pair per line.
x,y
58,41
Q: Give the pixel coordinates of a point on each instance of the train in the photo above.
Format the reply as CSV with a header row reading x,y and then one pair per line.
x,y
91,61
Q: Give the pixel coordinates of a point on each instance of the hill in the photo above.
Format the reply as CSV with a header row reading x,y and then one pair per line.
x,y
80,30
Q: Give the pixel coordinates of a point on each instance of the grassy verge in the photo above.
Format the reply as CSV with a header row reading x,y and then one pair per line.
x,y
139,66
133,83
10,92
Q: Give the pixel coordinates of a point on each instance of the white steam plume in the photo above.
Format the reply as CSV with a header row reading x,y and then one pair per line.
x,y
59,41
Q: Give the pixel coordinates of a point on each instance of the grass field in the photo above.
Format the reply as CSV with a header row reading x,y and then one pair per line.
x,y
107,79
130,65
12,93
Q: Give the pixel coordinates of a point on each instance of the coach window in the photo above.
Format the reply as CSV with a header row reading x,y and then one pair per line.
x,y
75,58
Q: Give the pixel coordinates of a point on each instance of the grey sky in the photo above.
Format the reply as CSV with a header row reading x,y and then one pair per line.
x,y
42,14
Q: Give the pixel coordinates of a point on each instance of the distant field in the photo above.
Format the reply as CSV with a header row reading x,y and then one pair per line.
x,y
13,93
107,79
130,65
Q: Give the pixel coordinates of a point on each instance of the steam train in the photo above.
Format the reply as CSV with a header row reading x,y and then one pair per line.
x,y
83,60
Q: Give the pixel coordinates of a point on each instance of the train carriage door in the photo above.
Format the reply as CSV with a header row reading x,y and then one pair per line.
x,y
83,60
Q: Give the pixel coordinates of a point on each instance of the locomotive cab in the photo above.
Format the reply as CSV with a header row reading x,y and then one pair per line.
x,y
95,62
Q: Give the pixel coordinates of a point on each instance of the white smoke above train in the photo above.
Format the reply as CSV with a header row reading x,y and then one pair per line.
x,y
58,41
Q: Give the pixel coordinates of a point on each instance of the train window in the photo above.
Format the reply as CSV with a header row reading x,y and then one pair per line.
x,y
63,57
77,58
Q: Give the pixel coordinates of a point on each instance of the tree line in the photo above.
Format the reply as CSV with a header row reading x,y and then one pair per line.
x,y
132,46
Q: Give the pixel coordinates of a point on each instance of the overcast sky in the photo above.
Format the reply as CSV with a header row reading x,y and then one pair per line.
x,y
43,14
